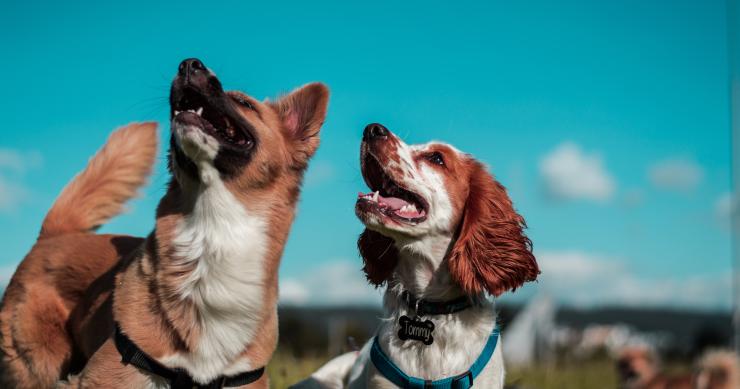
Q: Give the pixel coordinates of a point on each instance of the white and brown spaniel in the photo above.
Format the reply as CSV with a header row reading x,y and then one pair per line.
x,y
443,235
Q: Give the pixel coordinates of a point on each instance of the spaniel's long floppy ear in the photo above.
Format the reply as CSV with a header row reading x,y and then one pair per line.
x,y
379,256
302,112
491,253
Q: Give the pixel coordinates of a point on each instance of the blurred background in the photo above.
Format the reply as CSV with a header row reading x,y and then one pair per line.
x,y
609,123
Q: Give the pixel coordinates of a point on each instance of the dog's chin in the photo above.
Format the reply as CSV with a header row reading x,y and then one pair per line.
x,y
193,149
192,139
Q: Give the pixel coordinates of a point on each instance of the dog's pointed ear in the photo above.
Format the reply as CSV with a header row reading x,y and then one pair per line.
x,y
302,113
491,254
379,256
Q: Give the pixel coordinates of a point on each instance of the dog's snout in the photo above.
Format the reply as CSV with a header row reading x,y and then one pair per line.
x,y
194,86
193,73
191,66
374,131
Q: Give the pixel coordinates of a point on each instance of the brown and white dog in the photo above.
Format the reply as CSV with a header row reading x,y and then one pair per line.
x,y
200,292
639,367
438,226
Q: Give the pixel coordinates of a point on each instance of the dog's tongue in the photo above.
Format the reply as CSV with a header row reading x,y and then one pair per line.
x,y
400,207
392,202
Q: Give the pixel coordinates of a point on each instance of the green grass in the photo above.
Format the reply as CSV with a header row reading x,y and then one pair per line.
x,y
285,370
592,374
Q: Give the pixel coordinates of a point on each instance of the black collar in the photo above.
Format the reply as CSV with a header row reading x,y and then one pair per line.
x,y
178,378
425,307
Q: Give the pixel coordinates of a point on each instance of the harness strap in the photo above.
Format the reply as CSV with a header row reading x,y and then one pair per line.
x,y
178,378
389,370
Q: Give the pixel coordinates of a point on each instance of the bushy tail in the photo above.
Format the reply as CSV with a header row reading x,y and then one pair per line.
x,y
111,178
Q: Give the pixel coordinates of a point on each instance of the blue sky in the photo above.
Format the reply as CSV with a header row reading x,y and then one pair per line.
x,y
608,122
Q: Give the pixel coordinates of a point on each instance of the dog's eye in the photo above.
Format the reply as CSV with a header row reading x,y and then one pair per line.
x,y
244,102
436,158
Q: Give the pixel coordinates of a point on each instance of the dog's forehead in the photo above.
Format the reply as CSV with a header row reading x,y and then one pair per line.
x,y
241,96
249,105
434,145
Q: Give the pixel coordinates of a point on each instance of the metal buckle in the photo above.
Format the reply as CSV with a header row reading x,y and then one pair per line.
x,y
468,374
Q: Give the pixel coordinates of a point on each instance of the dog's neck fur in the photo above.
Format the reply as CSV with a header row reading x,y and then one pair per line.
x,y
422,270
212,279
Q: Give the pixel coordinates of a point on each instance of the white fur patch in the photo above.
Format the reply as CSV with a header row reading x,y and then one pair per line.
x,y
429,184
458,340
228,245
195,143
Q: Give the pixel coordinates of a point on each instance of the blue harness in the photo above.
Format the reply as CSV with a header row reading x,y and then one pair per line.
x,y
389,370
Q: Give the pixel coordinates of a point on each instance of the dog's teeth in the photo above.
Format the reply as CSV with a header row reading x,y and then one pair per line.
x,y
199,111
412,208
375,196
404,209
177,113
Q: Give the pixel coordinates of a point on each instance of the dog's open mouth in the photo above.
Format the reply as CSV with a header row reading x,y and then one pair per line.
x,y
194,109
387,197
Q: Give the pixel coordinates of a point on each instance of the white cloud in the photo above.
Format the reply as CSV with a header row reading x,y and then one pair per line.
x,y
293,291
11,194
318,173
575,265
15,163
725,206
571,277
334,282
676,174
568,173
584,279
18,161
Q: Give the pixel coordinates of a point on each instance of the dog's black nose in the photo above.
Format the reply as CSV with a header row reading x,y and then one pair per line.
x,y
191,66
374,131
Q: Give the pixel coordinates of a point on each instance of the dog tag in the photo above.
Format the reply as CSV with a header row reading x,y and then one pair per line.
x,y
415,329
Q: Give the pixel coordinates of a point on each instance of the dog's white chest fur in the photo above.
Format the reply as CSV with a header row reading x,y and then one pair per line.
x,y
459,340
228,245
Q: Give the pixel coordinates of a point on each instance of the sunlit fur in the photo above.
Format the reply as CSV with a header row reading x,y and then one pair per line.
x,y
470,244
200,292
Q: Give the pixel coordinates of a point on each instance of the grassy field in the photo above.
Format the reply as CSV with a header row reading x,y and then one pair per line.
x,y
594,374
285,370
